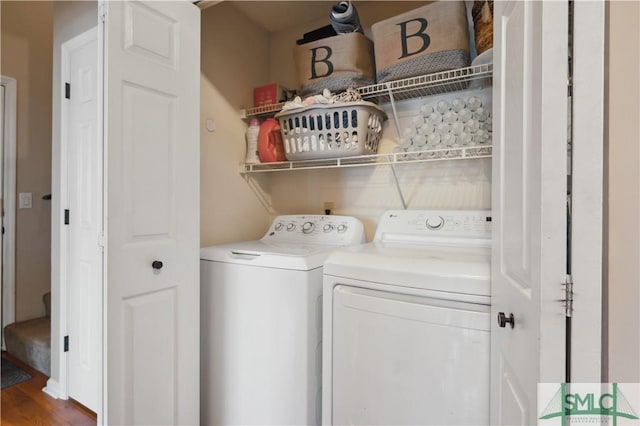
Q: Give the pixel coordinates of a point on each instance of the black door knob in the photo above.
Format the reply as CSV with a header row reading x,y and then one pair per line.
x,y
156,265
503,320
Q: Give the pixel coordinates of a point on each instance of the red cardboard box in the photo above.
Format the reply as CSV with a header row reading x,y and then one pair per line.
x,y
269,94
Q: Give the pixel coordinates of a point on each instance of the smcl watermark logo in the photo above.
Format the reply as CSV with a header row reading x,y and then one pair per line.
x,y
589,403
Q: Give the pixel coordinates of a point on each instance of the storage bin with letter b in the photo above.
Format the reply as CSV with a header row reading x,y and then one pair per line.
x,y
335,63
425,40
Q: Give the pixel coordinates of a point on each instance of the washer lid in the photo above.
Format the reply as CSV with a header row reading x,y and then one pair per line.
x,y
302,257
455,269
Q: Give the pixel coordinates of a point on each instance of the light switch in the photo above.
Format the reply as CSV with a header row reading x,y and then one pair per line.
x,y
25,200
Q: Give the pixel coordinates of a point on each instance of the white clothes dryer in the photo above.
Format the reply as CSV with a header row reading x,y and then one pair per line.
x,y
406,328
261,322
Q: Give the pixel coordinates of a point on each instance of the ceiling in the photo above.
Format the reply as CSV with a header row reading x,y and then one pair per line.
x,y
274,16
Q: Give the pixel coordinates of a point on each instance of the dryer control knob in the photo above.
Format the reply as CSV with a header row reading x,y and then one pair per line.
x,y
308,227
291,227
328,228
435,222
342,228
278,226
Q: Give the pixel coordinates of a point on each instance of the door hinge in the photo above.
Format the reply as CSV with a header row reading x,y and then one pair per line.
x,y
102,12
66,343
568,296
66,216
67,91
101,240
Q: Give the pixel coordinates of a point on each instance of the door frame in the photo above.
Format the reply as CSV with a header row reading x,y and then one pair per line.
x,y
587,201
9,192
59,239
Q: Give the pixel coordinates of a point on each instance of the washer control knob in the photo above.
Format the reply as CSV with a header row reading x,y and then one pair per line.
x,y
278,226
308,227
328,228
342,228
291,226
435,222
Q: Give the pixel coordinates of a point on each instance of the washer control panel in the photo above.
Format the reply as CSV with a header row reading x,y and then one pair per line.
x,y
405,225
316,229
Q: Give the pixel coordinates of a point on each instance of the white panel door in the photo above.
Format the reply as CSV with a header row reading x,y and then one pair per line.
x,y
152,121
84,197
529,204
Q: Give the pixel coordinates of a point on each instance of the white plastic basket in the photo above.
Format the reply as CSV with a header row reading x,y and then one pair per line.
x,y
331,131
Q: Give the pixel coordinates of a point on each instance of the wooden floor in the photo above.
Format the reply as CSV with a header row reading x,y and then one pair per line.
x,y
26,404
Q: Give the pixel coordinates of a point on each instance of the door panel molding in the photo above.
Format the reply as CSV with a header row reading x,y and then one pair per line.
x,y
144,315
518,400
140,21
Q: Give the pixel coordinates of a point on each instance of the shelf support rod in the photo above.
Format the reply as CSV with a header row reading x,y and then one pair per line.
x,y
393,108
395,177
260,194
397,124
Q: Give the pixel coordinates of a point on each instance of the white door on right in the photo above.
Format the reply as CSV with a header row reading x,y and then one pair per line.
x,y
529,205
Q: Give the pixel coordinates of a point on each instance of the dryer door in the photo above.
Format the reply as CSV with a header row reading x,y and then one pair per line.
x,y
406,359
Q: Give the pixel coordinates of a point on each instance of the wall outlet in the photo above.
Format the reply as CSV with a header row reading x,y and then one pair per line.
x,y
25,200
328,207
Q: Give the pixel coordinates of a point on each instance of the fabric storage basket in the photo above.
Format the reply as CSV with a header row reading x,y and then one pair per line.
x,y
331,131
426,40
335,63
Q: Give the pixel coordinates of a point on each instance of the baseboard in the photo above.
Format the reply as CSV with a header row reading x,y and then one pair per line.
x,y
53,389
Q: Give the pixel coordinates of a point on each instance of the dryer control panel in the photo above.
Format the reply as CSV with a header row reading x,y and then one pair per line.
x,y
433,225
316,229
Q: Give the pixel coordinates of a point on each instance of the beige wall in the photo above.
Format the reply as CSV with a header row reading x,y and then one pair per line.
x,y
26,56
234,60
623,138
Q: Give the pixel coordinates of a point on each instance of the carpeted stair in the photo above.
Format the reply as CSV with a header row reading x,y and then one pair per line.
x,y
30,341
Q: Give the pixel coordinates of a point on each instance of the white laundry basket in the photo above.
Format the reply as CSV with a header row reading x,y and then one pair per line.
x,y
330,131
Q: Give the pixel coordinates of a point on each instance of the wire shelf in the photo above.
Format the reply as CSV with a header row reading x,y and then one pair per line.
x,y
478,76
480,151
262,110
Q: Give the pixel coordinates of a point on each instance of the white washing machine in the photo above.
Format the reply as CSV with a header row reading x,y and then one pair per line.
x,y
261,322
406,323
